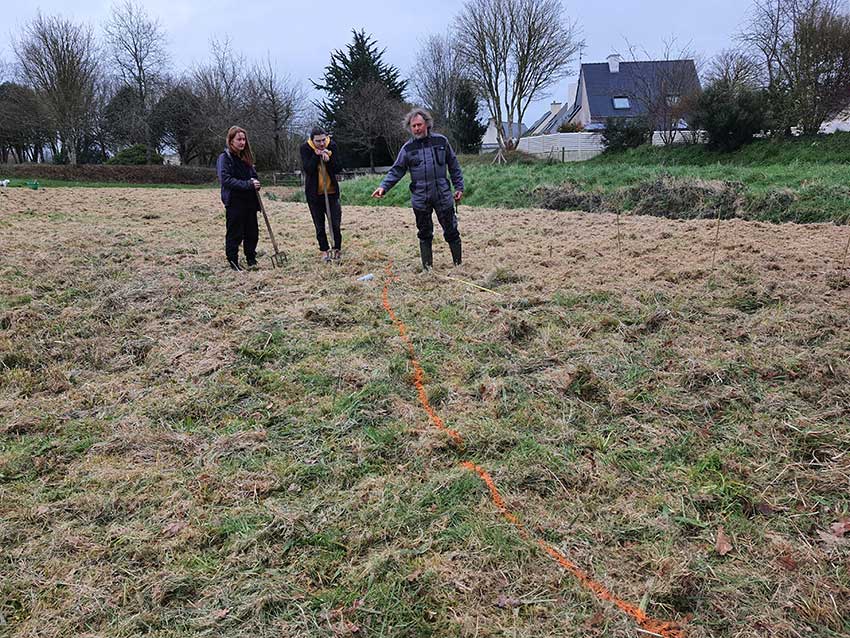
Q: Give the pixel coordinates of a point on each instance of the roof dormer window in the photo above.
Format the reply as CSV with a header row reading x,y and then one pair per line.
x,y
622,102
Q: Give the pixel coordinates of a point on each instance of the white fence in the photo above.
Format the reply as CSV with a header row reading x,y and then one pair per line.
x,y
562,147
575,147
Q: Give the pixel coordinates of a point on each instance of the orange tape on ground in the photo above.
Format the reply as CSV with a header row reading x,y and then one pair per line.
x,y
661,628
652,625
418,373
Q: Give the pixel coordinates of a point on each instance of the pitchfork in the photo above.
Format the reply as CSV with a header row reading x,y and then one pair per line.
x,y
279,257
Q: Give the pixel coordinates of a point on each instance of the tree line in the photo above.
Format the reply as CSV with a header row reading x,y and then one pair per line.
x,y
79,97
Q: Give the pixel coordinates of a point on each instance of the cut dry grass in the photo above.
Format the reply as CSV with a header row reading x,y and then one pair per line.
x,y
190,451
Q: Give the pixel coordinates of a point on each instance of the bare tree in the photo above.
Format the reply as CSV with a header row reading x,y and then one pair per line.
x,y
437,75
221,88
515,50
768,26
24,127
137,45
59,60
178,115
275,102
99,129
5,71
371,119
734,68
804,46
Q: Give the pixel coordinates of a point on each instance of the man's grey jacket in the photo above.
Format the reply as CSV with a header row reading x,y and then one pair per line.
x,y
427,160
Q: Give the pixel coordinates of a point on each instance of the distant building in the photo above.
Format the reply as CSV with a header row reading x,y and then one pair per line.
x,y
619,89
510,131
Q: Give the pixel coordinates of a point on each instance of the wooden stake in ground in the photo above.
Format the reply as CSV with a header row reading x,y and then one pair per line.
x,y
716,240
619,247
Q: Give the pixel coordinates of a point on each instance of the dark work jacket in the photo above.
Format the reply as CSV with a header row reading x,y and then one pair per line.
x,y
427,160
235,177
310,166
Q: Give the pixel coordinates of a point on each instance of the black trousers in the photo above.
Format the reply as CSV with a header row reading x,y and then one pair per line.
x,y
317,212
241,229
425,224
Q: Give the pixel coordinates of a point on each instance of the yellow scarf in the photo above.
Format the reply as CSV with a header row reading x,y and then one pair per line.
x,y
325,184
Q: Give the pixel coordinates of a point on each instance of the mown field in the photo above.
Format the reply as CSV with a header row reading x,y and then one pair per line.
x,y
188,451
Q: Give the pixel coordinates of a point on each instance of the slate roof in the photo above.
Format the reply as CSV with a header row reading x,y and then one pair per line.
x,y
603,86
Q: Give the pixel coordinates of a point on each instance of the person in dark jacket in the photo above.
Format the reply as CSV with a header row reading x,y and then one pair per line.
x,y
320,164
239,194
427,156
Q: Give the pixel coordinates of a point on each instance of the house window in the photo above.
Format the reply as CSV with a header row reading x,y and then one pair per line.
x,y
621,102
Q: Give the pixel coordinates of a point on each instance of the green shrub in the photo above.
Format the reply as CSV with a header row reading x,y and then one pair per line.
x,y
570,127
134,156
622,133
730,115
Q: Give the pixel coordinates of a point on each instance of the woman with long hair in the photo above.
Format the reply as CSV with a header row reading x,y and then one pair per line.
x,y
239,194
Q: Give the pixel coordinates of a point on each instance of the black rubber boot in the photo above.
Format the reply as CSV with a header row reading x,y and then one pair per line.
x,y
456,252
426,254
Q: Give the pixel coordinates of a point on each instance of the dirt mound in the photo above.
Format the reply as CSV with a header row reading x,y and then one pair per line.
x,y
568,196
684,198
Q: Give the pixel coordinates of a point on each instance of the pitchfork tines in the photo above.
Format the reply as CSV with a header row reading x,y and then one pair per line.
x,y
278,257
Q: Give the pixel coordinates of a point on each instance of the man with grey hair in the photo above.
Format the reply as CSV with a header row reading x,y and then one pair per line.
x,y
427,156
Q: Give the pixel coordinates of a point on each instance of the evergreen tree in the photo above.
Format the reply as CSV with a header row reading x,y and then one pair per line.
x,y
465,127
349,71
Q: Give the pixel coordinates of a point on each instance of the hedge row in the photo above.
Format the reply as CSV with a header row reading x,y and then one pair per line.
x,y
103,173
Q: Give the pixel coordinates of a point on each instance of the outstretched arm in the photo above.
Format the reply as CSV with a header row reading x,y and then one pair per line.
x,y
399,168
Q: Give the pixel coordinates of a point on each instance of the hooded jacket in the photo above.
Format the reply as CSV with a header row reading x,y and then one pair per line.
x,y
427,159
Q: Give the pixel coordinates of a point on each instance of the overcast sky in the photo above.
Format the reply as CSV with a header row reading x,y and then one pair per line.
x,y
299,36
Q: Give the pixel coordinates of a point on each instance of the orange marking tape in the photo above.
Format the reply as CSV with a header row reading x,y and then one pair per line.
x,y
661,628
418,373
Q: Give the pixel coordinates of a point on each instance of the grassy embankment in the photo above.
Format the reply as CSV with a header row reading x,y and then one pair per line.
x,y
802,180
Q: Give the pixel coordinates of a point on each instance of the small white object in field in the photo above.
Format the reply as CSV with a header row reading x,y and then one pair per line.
x,y
4,183
368,277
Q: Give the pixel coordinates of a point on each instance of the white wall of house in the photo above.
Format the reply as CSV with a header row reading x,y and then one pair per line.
x,y
583,115
840,122
489,137
489,141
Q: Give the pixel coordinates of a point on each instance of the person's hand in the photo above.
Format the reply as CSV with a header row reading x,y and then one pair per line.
x,y
326,156
458,195
256,183
378,192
